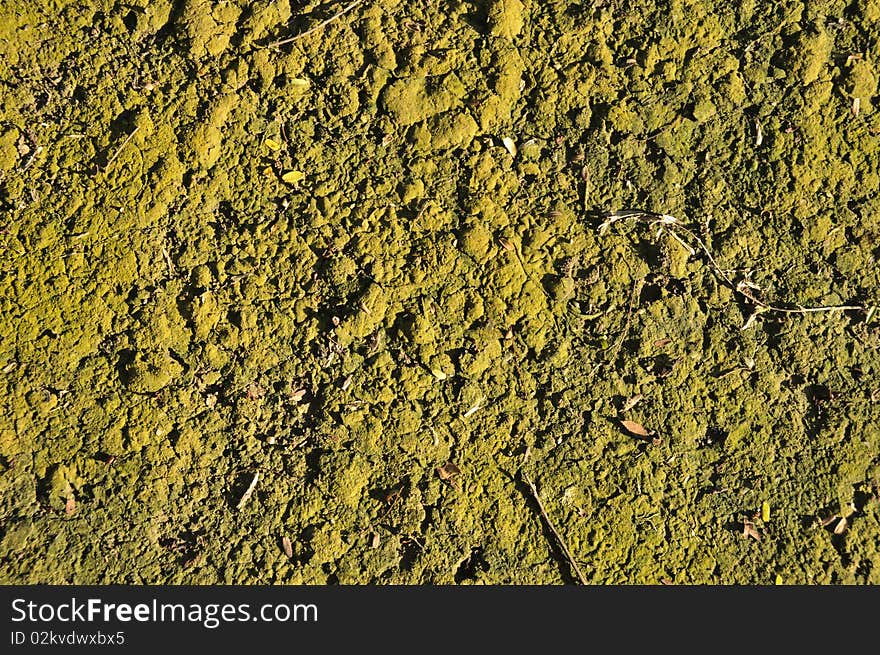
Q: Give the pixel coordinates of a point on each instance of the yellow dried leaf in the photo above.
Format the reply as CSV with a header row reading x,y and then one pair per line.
x,y
272,145
288,547
292,177
765,511
298,81
297,395
510,144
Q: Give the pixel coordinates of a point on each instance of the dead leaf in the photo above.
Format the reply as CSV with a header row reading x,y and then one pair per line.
x,y
447,471
828,521
375,540
841,526
749,530
298,395
636,429
505,243
632,402
288,547
70,506
662,342
510,145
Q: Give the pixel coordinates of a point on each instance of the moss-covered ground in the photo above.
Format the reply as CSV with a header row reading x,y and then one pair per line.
x,y
339,309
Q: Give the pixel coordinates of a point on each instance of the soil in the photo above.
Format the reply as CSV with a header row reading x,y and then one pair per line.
x,y
340,310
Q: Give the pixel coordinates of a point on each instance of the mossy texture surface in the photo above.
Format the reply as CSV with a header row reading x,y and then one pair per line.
x,y
366,266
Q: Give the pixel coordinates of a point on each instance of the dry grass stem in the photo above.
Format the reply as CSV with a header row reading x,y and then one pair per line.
x,y
322,24
673,225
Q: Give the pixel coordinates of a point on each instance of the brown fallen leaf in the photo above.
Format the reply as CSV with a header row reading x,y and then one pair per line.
x,y
297,395
287,546
749,530
447,471
375,540
662,342
70,506
505,243
637,429
841,526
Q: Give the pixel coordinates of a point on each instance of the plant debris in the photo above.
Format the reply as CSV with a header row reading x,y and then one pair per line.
x,y
448,473
636,429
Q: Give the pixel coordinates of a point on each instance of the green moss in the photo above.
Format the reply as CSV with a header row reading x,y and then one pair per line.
x,y
150,372
476,241
861,82
176,318
451,130
411,100
811,55
8,149
505,18
208,26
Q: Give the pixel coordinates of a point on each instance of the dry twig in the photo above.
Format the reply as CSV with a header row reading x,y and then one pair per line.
x,y
562,543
